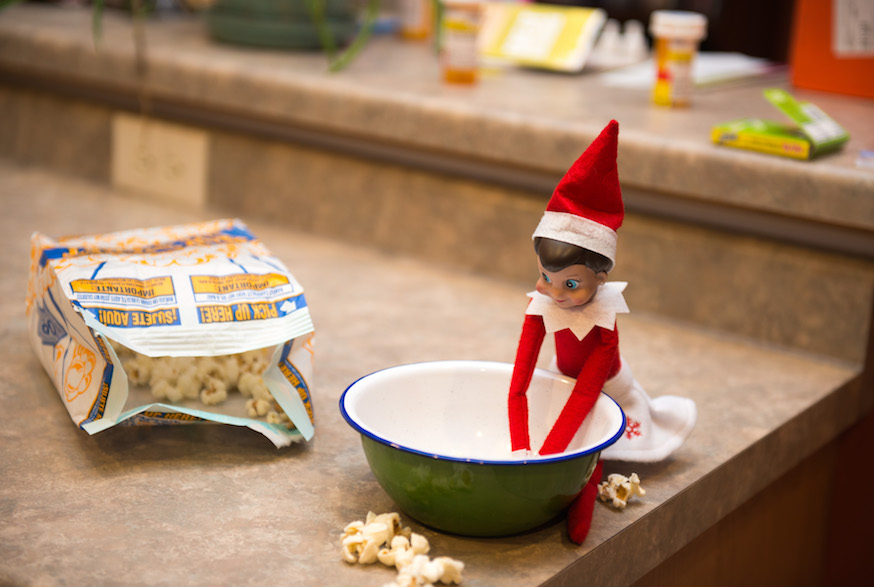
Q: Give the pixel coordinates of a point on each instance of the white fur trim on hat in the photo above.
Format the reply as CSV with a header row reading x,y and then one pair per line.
x,y
576,230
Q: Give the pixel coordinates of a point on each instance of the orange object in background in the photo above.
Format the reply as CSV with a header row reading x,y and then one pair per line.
x,y
829,58
417,19
460,27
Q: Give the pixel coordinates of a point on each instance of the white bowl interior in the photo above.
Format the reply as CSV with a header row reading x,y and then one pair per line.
x,y
458,409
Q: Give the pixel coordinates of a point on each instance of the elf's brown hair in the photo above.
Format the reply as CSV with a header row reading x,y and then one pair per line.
x,y
556,255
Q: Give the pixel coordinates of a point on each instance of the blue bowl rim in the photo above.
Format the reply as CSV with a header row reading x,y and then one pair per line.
x,y
538,461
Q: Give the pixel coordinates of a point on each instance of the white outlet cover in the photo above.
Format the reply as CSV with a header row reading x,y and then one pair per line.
x,y
157,158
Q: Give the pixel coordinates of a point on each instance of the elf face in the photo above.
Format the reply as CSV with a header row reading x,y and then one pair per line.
x,y
572,286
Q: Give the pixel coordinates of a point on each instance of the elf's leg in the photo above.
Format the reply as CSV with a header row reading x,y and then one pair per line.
x,y
579,516
655,427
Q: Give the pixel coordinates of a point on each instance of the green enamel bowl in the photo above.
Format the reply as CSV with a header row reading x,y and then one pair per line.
x,y
436,436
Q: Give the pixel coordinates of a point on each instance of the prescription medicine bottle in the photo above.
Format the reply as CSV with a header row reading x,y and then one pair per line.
x,y
459,51
416,19
676,35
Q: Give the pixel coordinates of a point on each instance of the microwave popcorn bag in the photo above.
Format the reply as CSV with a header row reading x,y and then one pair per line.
x,y
173,325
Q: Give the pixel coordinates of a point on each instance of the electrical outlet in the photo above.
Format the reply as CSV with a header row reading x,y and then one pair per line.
x,y
159,159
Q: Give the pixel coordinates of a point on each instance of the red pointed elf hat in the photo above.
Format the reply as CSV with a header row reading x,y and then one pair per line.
x,y
586,206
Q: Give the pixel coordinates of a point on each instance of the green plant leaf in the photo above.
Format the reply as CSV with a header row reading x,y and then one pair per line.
x,y
354,48
97,22
317,14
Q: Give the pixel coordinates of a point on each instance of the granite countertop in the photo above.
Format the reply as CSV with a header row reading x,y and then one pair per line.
x,y
392,100
215,504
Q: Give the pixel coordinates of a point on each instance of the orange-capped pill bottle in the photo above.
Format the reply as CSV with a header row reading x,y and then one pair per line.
x,y
676,34
416,19
459,29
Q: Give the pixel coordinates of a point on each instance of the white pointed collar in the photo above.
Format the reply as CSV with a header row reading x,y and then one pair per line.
x,y
600,311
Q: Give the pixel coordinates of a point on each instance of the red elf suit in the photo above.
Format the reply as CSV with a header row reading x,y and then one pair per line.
x,y
586,348
586,210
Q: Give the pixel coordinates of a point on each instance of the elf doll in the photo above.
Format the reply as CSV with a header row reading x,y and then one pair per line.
x,y
575,243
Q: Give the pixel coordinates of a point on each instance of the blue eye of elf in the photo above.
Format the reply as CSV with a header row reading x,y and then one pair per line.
x,y
546,278
572,284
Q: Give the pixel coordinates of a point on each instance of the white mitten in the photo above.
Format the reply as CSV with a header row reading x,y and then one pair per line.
x,y
654,427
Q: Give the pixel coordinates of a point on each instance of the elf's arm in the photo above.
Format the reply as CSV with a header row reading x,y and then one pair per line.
x,y
586,391
530,342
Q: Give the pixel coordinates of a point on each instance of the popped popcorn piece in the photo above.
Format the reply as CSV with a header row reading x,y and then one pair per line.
x,y
174,394
161,371
252,385
402,550
382,527
183,363
451,569
162,389
420,571
367,550
393,520
399,547
189,384
138,369
419,544
214,392
257,407
619,489
208,368
252,361
169,368
351,540
274,417
361,542
424,571
231,369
